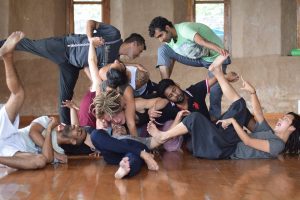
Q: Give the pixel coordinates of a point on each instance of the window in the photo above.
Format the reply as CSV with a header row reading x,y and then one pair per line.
x,y
215,14
79,11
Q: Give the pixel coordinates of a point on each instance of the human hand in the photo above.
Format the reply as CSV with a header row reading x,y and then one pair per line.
x,y
247,86
153,113
182,114
62,158
69,104
95,154
223,52
52,123
225,122
96,41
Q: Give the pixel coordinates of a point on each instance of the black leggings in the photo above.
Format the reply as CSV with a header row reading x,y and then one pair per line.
x,y
113,150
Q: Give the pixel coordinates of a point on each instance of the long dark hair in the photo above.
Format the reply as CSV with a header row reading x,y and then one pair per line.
x,y
116,77
293,143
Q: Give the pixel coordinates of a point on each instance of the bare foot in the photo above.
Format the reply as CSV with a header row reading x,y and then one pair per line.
x,y
153,143
216,65
149,160
124,168
11,43
155,133
232,77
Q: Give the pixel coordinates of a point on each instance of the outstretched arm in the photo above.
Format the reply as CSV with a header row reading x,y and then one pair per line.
x,y
87,72
259,144
141,104
257,110
73,111
201,41
157,105
130,111
179,117
92,60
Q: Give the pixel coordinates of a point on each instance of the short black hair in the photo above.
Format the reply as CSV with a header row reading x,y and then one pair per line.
x,y
135,37
116,77
163,85
158,23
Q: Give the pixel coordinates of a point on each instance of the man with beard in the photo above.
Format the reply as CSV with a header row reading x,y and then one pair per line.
x,y
192,44
192,99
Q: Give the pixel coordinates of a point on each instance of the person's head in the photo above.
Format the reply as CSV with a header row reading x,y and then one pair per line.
x,y
109,108
168,89
72,134
290,124
136,44
117,65
160,28
116,75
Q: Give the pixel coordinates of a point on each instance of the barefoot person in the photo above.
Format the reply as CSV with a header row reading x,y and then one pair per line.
x,y
193,44
229,140
70,53
12,146
128,153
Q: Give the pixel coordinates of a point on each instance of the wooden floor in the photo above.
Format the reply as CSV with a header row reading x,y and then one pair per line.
x,y
181,176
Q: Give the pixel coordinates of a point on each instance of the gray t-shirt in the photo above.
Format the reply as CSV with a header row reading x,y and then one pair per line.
x,y
78,46
262,131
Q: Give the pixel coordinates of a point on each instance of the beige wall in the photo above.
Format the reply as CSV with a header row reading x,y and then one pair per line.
x,y
262,31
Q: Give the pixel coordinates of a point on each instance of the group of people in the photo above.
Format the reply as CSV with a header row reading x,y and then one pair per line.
x,y
125,115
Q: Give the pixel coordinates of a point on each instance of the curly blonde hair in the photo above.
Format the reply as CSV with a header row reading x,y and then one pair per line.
x,y
108,102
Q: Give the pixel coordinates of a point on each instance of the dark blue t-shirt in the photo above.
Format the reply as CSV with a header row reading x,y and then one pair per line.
x,y
78,46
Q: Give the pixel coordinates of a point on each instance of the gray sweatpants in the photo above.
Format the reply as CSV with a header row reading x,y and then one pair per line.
x,y
54,49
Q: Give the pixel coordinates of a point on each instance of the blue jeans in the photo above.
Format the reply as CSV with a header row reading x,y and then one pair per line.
x,y
166,56
113,150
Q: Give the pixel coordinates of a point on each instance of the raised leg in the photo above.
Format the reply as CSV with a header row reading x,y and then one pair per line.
x,y
16,99
162,136
51,48
228,91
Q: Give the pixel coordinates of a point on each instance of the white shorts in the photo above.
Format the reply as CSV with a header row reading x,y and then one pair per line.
x,y
10,141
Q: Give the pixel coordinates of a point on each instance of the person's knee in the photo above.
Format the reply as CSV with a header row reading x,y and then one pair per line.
x,y
98,136
195,117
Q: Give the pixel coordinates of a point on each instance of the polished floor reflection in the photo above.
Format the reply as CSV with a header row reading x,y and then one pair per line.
x,y
181,176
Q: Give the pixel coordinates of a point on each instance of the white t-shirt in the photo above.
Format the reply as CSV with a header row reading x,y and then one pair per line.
x,y
13,139
30,145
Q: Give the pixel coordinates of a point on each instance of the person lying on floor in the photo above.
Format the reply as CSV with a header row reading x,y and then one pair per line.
x,y
13,151
227,139
129,153
191,99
